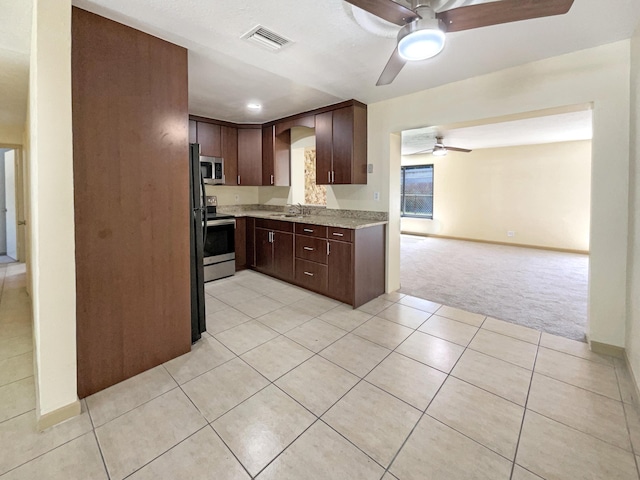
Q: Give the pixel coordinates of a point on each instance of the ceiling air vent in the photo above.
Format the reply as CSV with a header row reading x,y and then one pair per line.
x,y
266,38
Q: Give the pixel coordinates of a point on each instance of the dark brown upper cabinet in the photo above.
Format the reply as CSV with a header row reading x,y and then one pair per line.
x,y
276,157
341,146
256,155
230,154
210,139
249,156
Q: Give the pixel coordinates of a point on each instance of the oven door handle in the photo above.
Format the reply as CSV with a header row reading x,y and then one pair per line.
x,y
213,223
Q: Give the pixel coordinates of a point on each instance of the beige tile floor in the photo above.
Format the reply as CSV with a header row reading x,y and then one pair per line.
x,y
287,384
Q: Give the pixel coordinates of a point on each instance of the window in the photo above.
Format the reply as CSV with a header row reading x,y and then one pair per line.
x,y
416,188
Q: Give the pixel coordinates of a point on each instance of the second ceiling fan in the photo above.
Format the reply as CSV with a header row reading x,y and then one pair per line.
x,y
423,30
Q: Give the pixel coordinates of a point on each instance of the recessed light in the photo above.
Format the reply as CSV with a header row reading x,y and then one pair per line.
x,y
254,106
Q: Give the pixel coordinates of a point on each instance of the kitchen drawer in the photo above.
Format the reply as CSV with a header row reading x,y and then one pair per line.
x,y
311,275
274,225
311,230
311,248
343,234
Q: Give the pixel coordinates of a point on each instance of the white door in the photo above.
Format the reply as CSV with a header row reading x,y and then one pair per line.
x,y
10,199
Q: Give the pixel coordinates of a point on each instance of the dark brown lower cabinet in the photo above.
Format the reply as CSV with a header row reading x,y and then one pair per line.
x,y
351,269
345,264
340,271
311,275
283,255
251,242
264,250
274,253
240,243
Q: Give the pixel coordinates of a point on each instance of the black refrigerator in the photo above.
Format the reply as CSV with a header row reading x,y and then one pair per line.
x,y
198,228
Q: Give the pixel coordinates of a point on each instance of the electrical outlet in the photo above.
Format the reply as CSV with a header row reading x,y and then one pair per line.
x,y
511,233
376,196
237,198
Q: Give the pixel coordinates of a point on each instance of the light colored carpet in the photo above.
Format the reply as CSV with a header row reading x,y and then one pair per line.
x,y
540,289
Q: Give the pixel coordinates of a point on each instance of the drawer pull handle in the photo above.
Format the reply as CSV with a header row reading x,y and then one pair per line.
x,y
307,230
338,234
309,249
309,273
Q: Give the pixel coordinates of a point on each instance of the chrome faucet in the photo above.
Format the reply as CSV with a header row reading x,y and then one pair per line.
x,y
298,207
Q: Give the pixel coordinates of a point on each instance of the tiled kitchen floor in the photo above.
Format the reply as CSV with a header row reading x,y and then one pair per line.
x,y
292,385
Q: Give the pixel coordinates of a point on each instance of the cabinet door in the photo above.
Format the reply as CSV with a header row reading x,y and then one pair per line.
x,y
342,145
324,150
283,255
251,242
193,132
268,156
276,157
250,156
209,138
241,243
230,155
340,282
264,250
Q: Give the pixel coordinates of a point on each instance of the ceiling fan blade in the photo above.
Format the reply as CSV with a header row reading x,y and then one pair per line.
x,y
392,69
456,149
505,11
421,152
387,10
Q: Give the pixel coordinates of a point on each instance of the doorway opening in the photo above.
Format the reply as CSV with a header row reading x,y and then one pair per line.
x,y
499,224
8,206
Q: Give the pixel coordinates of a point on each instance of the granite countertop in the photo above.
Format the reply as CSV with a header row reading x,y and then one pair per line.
x,y
322,220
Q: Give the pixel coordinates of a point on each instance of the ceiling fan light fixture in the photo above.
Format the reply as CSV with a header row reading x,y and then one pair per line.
x,y
421,39
439,151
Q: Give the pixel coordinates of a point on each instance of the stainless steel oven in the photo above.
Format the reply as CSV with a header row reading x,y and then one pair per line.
x,y
219,247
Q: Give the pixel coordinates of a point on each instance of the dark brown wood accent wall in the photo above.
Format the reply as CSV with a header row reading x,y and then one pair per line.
x,y
131,187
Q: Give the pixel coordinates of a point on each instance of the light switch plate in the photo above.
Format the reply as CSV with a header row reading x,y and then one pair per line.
x,y
370,168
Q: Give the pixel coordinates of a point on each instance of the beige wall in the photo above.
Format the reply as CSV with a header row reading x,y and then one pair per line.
x,y
51,215
633,286
540,192
599,76
10,135
227,194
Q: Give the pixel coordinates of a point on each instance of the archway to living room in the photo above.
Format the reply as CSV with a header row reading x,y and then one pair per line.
x,y
502,230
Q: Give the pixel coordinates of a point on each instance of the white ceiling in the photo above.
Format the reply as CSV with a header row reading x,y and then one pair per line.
x,y
15,40
332,58
563,127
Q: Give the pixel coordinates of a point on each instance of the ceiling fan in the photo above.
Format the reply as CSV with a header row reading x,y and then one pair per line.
x,y
423,29
440,149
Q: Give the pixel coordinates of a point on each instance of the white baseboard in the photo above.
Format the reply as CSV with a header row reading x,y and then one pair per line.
x,y
60,415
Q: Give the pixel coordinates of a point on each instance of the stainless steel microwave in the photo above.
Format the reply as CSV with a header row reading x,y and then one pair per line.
x,y
212,170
